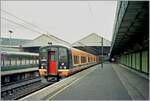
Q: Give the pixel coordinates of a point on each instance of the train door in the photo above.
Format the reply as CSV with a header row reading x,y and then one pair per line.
x,y
52,68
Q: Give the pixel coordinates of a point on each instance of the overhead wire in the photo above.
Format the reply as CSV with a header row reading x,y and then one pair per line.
x,y
90,9
22,25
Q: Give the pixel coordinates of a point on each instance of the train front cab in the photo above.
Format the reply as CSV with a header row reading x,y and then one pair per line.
x,y
56,64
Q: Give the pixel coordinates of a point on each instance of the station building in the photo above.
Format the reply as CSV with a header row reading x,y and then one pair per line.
x,y
13,44
95,44
43,40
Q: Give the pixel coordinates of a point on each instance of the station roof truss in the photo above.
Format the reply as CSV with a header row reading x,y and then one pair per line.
x,y
44,39
93,44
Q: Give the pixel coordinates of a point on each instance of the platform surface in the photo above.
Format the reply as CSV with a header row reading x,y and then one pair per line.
x,y
112,82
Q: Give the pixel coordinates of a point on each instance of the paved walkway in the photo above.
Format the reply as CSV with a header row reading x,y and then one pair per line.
x,y
136,83
106,83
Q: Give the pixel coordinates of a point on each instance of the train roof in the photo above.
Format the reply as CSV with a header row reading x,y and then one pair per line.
x,y
61,45
57,45
19,53
81,51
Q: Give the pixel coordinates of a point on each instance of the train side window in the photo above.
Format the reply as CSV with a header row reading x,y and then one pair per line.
x,y
83,59
88,59
13,61
75,59
18,61
2,59
27,61
23,61
6,79
7,62
37,61
31,61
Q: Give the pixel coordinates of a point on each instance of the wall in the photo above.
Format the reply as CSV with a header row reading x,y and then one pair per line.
x,y
138,61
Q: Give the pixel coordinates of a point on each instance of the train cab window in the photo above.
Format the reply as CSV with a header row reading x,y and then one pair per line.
x,y
62,54
63,57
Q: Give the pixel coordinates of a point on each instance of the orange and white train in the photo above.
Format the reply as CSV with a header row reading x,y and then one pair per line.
x,y
60,61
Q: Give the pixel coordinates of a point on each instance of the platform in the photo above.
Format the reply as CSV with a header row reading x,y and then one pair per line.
x,y
112,82
19,71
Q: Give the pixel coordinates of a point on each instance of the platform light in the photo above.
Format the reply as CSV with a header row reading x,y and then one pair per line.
x,y
10,31
50,43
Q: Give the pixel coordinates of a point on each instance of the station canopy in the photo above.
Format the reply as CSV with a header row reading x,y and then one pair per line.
x,y
131,27
44,40
93,44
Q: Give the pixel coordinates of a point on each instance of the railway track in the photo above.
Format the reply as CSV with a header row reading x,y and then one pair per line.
x,y
16,91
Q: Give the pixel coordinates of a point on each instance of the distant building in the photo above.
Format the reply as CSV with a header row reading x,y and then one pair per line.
x,y
92,40
43,40
13,42
12,45
93,44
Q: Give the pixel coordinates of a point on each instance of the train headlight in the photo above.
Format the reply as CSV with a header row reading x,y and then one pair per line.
x,y
62,63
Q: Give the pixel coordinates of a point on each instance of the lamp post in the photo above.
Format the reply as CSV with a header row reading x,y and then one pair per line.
x,y
102,52
50,43
10,31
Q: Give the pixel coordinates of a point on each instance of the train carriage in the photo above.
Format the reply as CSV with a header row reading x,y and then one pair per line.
x,y
61,61
17,66
15,60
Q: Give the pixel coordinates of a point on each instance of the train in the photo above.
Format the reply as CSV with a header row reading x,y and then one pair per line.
x,y
16,60
58,61
16,66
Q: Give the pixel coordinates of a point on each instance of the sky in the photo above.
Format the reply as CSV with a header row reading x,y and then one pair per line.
x,y
68,20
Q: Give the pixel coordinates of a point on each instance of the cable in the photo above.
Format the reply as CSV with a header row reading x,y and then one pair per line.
x,y
20,25
90,9
22,20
